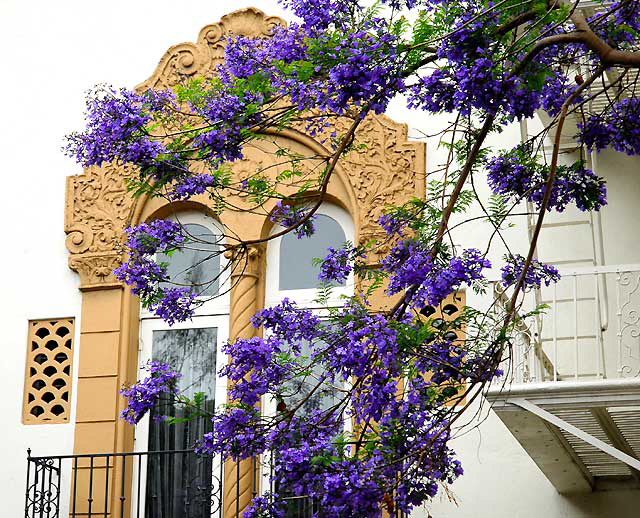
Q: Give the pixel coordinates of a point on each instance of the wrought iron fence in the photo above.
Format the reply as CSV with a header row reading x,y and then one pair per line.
x,y
158,484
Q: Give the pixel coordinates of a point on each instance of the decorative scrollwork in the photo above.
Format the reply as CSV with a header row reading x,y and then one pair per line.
x,y
629,323
189,60
43,494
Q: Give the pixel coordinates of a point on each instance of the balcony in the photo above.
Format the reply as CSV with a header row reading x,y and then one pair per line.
x,y
160,484
571,395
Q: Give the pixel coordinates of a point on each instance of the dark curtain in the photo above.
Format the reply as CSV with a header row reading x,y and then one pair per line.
x,y
182,485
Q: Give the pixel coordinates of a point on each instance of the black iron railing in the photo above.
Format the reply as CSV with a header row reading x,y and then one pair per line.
x,y
167,484
157,484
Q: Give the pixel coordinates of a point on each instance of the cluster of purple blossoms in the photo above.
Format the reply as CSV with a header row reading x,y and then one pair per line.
x,y
469,77
226,115
537,273
366,70
174,304
192,185
393,223
619,128
621,29
116,127
321,67
141,271
265,506
245,56
255,369
339,263
293,216
288,322
144,274
518,175
159,235
238,433
319,16
143,395
412,267
479,85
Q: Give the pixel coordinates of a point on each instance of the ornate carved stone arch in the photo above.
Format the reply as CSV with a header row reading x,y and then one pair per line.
x,y
388,170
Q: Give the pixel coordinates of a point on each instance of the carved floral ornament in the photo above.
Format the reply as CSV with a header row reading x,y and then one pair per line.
x,y
387,170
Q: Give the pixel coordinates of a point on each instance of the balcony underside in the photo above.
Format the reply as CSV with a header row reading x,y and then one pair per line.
x,y
608,411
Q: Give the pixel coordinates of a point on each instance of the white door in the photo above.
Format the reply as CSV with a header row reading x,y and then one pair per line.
x,y
174,481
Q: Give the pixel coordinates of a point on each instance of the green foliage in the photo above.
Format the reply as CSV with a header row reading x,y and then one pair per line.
x,y
498,208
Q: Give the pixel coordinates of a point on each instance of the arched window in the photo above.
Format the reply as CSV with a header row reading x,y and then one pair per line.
x,y
290,261
297,270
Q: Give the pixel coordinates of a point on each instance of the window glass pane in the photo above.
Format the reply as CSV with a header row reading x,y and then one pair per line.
x,y
296,269
191,352
198,263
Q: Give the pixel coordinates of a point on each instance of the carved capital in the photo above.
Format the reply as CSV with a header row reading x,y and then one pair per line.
x,y
96,271
98,208
245,260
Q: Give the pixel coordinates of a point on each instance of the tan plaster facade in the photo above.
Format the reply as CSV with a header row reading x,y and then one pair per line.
x,y
388,171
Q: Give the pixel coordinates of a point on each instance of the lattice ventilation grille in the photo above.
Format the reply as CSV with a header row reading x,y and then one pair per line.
x,y
441,317
47,392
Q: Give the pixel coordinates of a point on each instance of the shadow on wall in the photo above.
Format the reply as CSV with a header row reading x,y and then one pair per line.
x,y
604,504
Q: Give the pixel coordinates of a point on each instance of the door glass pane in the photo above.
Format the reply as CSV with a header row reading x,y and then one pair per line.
x,y
325,397
296,255
181,484
198,263
298,389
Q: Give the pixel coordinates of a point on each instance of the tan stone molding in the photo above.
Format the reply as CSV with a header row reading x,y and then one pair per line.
x,y
190,60
97,210
96,271
388,169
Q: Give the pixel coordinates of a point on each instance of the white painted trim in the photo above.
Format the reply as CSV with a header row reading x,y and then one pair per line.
x,y
614,392
494,274
580,434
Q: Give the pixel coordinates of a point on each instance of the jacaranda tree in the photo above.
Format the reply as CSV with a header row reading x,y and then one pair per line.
x,y
401,382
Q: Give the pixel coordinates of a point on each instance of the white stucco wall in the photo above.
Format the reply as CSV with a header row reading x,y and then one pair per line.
x,y
53,53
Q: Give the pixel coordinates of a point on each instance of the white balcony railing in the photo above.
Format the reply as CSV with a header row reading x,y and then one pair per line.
x,y
589,331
